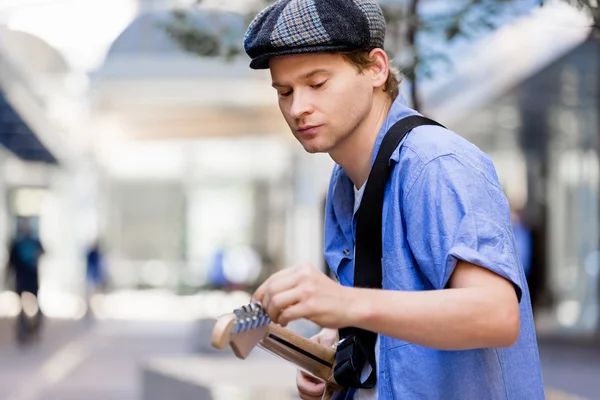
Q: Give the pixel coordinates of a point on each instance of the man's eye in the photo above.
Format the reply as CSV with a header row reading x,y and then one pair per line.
x,y
285,94
318,85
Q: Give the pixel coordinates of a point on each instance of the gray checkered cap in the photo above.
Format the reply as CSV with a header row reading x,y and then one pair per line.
x,y
313,26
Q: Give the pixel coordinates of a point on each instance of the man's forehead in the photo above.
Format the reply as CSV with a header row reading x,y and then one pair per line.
x,y
303,66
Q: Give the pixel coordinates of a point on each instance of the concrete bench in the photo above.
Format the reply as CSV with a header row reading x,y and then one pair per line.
x,y
218,375
260,377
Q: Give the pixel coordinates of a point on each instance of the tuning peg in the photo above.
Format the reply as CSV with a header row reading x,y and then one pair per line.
x,y
250,316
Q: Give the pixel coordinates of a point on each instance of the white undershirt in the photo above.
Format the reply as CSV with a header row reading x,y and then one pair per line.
x,y
365,394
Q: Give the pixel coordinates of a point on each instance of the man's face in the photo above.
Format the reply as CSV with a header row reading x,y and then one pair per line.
x,y
322,97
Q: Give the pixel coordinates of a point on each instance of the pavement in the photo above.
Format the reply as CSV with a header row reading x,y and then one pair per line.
x,y
102,360
77,360
571,368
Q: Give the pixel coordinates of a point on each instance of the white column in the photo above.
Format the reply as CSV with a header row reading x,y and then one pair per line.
x,y
310,174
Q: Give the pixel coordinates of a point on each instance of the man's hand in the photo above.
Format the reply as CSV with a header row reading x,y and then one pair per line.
x,y
309,387
305,292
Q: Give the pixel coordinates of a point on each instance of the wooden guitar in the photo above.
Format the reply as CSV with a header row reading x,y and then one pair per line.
x,y
249,326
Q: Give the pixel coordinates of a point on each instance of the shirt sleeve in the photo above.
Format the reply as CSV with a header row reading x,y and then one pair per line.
x,y
455,211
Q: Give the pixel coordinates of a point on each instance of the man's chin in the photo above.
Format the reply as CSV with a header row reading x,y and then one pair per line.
x,y
314,149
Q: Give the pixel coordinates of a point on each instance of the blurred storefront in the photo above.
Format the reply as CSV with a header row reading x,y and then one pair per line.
x,y
184,166
166,158
543,135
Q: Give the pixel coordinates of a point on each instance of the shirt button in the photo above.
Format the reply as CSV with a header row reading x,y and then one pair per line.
x,y
346,251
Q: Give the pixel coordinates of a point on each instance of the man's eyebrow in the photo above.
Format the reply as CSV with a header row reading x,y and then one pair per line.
x,y
316,71
278,85
305,76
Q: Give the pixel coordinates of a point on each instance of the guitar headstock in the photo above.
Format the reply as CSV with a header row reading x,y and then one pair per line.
x,y
243,329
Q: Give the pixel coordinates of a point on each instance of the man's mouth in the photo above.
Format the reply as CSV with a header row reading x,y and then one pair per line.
x,y
308,129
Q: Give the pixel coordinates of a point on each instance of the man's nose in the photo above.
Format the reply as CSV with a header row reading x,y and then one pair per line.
x,y
301,105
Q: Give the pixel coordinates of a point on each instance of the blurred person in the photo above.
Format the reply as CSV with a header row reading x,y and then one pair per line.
x,y
454,318
522,233
25,251
241,267
95,271
216,277
235,268
523,239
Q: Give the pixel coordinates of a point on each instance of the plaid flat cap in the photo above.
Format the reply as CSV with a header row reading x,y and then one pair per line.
x,y
313,26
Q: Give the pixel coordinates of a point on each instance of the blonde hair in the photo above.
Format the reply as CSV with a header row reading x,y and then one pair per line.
x,y
360,60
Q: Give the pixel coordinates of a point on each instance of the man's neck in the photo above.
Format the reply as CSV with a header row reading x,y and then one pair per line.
x,y
355,153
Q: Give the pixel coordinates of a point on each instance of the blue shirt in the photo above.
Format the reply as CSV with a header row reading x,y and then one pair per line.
x,y
442,203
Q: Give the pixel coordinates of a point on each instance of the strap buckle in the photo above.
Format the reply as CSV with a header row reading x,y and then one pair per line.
x,y
350,360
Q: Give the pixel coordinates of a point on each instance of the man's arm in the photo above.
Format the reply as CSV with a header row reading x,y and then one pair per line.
x,y
479,309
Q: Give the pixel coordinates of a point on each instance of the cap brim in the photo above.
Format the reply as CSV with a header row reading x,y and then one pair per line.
x,y
262,61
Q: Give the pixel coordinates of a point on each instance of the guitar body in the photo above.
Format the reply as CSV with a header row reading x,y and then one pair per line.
x,y
249,327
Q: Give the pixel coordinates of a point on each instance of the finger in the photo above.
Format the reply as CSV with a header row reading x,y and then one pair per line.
x,y
259,294
280,285
292,313
309,387
311,390
282,301
327,338
283,282
308,377
266,300
307,397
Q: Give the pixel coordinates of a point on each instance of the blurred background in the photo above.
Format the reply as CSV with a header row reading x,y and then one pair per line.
x,y
148,182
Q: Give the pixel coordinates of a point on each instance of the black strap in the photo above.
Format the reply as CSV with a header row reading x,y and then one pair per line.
x,y
367,259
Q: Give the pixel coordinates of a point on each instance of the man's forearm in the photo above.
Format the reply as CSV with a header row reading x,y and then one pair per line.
x,y
450,319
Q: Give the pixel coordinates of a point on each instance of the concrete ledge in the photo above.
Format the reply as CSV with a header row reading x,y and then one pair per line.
x,y
260,377
160,385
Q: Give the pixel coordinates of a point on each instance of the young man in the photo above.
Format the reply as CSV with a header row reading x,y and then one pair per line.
x,y
454,317
23,261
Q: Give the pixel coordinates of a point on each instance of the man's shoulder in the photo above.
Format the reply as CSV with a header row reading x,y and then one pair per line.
x,y
430,142
436,148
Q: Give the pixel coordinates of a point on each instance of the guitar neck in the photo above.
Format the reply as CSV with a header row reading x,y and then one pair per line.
x,y
309,356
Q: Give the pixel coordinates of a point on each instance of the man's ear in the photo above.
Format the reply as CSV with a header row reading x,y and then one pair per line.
x,y
380,68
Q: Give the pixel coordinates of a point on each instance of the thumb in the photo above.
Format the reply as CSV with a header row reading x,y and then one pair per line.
x,y
326,338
